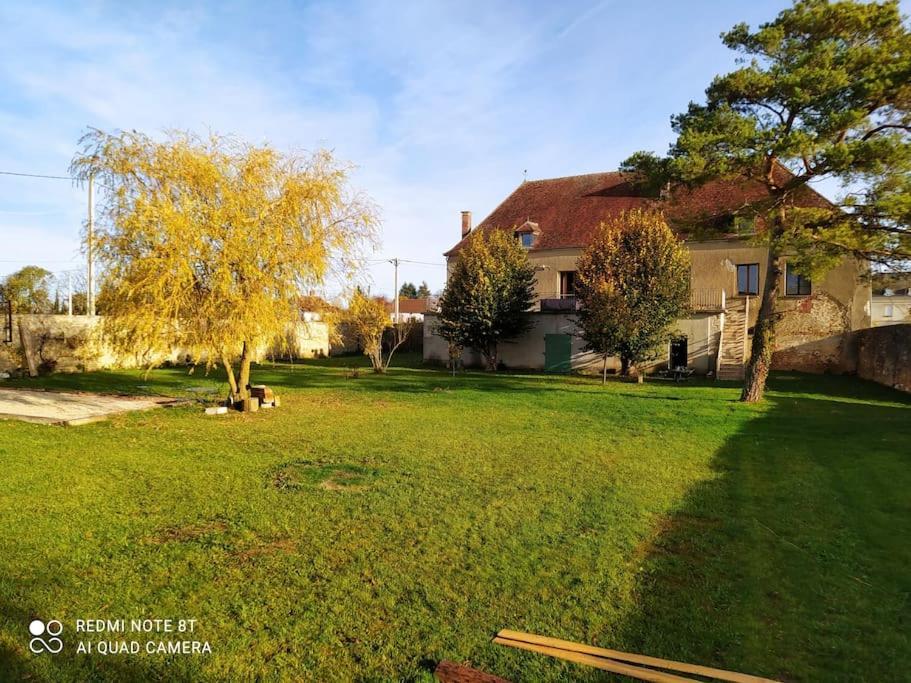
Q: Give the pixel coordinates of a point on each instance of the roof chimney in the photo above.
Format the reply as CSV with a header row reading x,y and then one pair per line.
x,y
466,223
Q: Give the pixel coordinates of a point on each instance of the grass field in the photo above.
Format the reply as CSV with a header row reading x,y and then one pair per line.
x,y
373,526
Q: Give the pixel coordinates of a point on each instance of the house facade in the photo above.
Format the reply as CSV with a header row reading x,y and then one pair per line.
x,y
555,219
891,303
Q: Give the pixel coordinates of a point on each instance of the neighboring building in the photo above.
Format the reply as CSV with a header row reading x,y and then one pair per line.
x,y
555,219
895,280
892,308
891,303
411,309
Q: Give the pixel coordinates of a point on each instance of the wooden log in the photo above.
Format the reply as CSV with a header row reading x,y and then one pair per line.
x,y
719,674
450,672
602,663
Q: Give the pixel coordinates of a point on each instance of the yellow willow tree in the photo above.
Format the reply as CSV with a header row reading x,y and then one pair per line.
x,y
207,243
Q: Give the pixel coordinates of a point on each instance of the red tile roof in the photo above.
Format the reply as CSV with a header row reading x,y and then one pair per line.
x,y
409,305
568,210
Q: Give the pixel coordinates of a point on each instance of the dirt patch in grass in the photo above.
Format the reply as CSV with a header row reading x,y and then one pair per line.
x,y
674,535
266,548
344,477
342,481
189,533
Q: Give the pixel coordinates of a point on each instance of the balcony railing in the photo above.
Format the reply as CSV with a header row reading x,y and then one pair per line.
x,y
558,302
701,301
707,300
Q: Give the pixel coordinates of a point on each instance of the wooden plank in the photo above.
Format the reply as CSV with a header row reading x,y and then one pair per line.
x,y
602,663
450,672
719,674
27,350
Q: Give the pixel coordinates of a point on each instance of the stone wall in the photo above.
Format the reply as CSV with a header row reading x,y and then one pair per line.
x,y
58,343
811,334
883,354
63,343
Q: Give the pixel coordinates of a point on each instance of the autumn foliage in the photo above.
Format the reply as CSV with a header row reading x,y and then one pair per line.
x,y
632,283
487,296
207,243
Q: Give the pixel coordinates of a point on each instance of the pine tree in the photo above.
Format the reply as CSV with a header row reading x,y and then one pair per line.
x,y
423,291
826,94
408,291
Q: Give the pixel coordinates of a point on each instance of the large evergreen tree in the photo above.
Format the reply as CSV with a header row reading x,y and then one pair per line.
x,y
825,94
632,283
489,291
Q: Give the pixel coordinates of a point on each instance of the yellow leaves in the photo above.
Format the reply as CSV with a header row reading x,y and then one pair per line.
x,y
368,319
207,243
632,282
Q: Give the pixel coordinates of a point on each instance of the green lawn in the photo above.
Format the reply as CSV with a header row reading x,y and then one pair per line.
x,y
373,526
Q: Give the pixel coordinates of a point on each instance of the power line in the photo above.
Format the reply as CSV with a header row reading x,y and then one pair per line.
x,y
37,175
404,260
424,263
32,260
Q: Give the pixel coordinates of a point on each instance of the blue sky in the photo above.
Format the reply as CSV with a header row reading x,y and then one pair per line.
x,y
442,106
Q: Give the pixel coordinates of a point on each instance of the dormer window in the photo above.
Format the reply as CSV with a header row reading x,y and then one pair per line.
x,y
527,234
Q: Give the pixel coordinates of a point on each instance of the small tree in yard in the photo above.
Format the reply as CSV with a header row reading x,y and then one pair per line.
x,y
487,296
632,283
826,95
208,243
29,290
369,321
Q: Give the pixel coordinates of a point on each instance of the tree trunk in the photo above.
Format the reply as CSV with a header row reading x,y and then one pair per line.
x,y
491,357
640,377
232,382
757,370
624,366
243,388
604,370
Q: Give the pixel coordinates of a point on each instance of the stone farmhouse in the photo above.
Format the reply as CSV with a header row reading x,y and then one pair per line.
x,y
554,219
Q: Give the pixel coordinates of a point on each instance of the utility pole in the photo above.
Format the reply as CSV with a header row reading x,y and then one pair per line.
x,y
69,293
395,262
90,293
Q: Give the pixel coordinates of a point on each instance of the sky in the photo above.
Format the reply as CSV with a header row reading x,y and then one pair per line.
x,y
440,106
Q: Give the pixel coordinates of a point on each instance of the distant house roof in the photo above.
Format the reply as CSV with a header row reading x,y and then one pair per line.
x,y
410,306
566,211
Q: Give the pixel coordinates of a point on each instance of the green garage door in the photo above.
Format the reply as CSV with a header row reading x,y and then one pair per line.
x,y
557,352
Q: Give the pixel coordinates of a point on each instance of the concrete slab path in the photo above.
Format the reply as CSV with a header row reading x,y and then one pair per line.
x,y
58,407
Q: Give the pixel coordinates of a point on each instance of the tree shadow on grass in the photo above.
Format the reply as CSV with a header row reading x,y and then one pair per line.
x,y
791,562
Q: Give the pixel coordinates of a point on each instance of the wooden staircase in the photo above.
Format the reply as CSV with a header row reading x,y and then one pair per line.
x,y
734,340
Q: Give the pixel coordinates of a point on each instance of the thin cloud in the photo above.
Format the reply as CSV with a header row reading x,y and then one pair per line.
x,y
439,105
